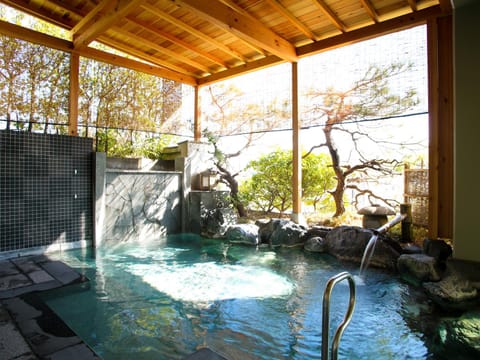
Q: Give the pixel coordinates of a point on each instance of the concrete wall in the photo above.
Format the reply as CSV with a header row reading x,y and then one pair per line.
x,y
45,192
140,205
467,131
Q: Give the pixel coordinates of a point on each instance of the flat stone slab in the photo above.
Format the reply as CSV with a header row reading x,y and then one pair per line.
x,y
7,268
26,265
40,276
14,281
61,272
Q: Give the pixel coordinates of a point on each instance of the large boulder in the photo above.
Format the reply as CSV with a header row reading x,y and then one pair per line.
x,y
349,243
417,268
243,234
437,249
453,292
281,232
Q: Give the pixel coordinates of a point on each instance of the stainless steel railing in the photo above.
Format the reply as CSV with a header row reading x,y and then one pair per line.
x,y
326,315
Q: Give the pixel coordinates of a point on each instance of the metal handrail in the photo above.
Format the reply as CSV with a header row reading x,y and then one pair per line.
x,y
326,314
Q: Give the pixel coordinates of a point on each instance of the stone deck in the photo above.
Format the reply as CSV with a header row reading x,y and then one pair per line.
x,y
28,328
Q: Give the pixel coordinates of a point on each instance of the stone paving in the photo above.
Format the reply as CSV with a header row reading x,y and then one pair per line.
x,y
28,328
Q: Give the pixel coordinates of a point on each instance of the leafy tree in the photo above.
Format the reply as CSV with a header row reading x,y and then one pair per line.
x,y
339,111
270,187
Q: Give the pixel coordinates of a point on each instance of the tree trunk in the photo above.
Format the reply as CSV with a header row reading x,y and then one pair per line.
x,y
232,183
339,174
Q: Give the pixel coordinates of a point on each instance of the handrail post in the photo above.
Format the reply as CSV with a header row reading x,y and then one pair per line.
x,y
326,314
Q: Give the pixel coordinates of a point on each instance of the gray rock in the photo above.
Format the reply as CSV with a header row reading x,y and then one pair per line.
x,y
417,268
453,292
288,234
349,242
315,244
438,249
317,231
266,228
243,234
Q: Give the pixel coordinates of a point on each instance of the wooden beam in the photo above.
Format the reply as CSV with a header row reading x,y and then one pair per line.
x,y
241,26
19,32
241,69
73,95
381,28
330,15
100,19
296,150
370,9
446,6
292,19
193,31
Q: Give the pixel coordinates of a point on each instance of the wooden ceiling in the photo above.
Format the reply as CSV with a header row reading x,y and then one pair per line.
x,y
201,41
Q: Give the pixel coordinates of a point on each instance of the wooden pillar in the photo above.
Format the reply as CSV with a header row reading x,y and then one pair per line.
x,y
74,93
297,153
197,129
440,94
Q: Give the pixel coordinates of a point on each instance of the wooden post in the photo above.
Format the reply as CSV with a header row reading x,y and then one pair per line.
x,y
297,154
440,94
197,128
74,93
406,209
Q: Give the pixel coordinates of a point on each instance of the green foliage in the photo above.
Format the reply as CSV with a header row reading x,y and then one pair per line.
x,y
270,187
152,147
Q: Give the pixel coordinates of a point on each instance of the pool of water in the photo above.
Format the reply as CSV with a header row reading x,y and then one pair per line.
x,y
165,298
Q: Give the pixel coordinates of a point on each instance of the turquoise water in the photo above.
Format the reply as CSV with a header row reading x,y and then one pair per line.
x,y
163,299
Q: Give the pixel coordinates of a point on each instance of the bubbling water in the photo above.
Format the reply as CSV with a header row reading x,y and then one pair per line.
x,y
206,282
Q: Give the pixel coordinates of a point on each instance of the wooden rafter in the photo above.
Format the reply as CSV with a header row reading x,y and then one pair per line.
x,y
35,37
370,9
330,15
123,47
413,4
161,49
242,26
193,31
381,28
167,36
40,11
292,19
100,19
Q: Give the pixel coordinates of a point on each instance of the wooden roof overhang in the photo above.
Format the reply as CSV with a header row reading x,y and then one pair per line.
x,y
198,42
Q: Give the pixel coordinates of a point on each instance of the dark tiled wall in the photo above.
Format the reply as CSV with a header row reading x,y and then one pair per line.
x,y
45,190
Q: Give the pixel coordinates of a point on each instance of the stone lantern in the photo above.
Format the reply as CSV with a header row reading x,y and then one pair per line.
x,y
375,216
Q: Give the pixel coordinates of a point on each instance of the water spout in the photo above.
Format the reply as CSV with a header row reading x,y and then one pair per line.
x,y
370,248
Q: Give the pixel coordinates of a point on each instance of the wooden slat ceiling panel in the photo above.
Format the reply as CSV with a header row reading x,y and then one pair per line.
x,y
201,41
